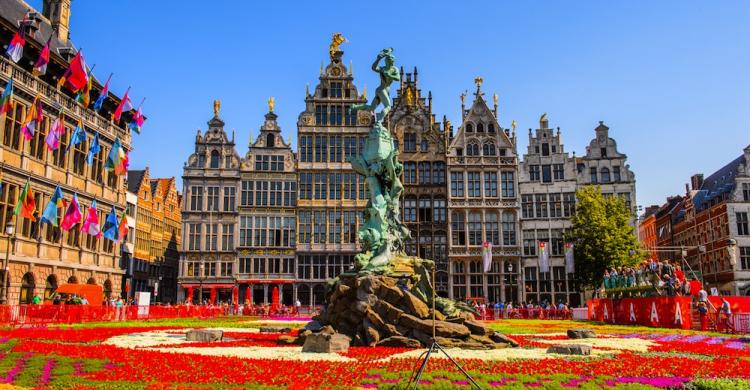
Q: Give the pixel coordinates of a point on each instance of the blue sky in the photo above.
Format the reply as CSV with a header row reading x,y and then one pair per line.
x,y
670,78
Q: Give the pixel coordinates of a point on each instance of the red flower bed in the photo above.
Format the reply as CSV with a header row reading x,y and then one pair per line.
x,y
72,335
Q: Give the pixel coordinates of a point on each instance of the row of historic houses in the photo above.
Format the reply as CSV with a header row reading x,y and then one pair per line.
x,y
275,223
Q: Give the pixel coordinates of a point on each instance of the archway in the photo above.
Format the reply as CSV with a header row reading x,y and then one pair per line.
x,y
73,279
50,286
27,288
303,294
91,280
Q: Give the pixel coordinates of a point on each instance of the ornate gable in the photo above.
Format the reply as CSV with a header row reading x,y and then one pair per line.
x,y
412,114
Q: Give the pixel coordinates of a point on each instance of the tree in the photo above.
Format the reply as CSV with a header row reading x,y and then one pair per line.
x,y
602,236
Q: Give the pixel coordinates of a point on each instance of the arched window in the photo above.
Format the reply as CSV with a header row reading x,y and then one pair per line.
x,y
480,128
50,286
491,128
214,159
27,289
605,175
469,128
472,149
488,149
270,140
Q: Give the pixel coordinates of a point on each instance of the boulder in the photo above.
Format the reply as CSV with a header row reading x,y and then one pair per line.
x,y
581,334
399,341
372,336
340,291
442,328
326,343
501,338
415,306
390,293
478,328
274,329
204,335
368,284
375,319
570,349
328,329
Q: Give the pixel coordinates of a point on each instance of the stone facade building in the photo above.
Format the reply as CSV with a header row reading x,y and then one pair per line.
x,y
548,183
422,144
267,200
42,256
483,205
210,180
331,195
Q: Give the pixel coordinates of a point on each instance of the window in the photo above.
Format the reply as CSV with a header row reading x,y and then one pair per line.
x,y
214,159
569,204
616,173
321,186
529,243
335,149
305,148
350,186
227,237
212,233
555,205
592,172
319,227
438,172
472,149
410,142
546,174
290,194
194,236
527,206
469,128
334,226
321,148
260,231
201,163
196,198
475,228
246,193
438,206
424,173
335,89
425,209
12,129
245,265
424,145
509,228
37,147
321,113
492,227
473,181
603,152
490,184
605,175
305,226
410,209
480,128
534,173
491,128
458,228
334,185
213,198
350,227
350,147
457,184
541,205
410,172
558,171
745,257
557,243
229,198
545,149
259,265
508,185
742,224
488,149
246,231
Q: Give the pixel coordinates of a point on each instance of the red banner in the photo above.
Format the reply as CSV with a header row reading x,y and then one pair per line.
x,y
664,312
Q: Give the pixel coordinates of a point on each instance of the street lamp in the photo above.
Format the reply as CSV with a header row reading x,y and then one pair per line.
x,y
200,279
9,229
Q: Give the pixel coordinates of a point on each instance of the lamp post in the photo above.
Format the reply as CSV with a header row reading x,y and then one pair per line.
x,y
9,229
200,279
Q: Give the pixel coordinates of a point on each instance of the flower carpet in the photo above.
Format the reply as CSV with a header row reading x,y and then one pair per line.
x,y
155,355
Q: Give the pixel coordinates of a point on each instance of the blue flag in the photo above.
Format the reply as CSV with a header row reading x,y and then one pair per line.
x,y
94,149
78,136
111,225
50,212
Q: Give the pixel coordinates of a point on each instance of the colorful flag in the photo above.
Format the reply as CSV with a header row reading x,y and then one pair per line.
x,y
84,95
137,121
26,204
79,135
50,212
6,100
123,228
75,76
124,106
117,160
543,257
487,256
33,119
56,132
15,48
91,223
102,95
40,67
72,214
570,265
111,226
94,149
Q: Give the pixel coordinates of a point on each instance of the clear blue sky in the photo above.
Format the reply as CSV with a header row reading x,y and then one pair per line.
x,y
670,78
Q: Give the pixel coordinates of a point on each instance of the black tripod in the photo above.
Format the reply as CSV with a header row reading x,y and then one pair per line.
x,y
435,347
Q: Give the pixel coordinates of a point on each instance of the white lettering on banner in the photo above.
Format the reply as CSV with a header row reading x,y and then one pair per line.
x,y
632,313
677,313
606,314
654,314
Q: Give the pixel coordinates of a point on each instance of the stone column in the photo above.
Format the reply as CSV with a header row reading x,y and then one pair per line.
x,y
265,294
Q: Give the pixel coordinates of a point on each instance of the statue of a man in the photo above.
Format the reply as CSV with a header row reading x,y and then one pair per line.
x,y
388,74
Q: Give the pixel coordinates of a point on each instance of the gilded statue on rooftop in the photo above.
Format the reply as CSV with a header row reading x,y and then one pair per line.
x,y
336,40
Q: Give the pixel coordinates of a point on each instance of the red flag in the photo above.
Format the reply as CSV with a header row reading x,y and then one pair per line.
x,y
76,77
124,106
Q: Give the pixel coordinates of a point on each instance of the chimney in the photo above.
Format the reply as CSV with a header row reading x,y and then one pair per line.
x,y
696,181
58,14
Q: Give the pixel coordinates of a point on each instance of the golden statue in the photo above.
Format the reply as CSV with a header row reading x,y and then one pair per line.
x,y
478,81
463,98
217,106
543,118
494,98
513,125
336,41
409,97
271,104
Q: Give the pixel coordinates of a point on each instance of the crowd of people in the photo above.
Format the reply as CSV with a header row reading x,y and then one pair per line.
x,y
498,310
665,278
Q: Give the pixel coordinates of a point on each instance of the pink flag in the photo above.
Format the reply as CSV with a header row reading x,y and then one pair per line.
x,y
72,215
91,224
56,132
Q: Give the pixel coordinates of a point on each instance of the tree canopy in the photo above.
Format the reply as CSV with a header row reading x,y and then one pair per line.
x,y
602,236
